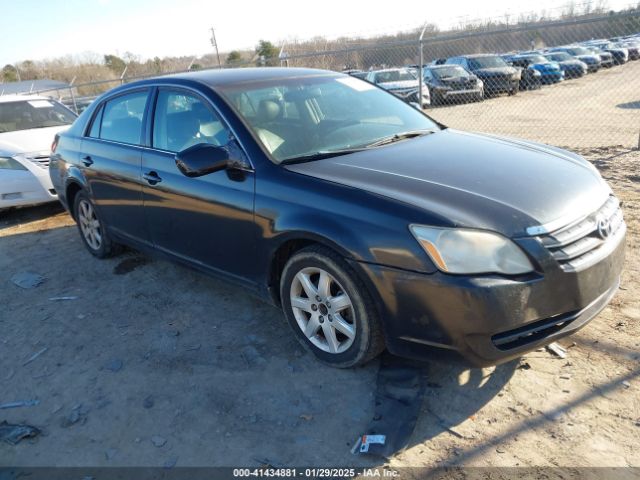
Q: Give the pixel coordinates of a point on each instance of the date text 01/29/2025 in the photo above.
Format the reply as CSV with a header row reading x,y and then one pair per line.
x,y
315,472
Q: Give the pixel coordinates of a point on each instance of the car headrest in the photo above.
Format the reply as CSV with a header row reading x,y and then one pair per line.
x,y
268,110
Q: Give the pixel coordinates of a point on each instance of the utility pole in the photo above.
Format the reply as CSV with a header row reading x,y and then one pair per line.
x,y
215,44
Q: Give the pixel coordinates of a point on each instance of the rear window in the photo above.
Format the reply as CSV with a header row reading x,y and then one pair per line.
x,y
122,118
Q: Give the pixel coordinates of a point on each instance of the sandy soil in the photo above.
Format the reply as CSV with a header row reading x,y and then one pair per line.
x,y
151,364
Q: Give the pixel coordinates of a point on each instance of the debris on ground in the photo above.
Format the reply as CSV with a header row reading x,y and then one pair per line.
x,y
306,417
78,415
557,350
170,463
115,365
61,299
398,400
158,441
34,356
626,384
110,453
524,366
21,403
13,434
27,279
148,402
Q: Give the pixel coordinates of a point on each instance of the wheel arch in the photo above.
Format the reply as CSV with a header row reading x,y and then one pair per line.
x,y
70,192
288,246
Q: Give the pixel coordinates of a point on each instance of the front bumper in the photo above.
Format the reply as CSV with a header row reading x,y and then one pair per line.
x,y
20,188
495,85
490,319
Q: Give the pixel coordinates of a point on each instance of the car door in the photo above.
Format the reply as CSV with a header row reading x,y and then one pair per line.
x,y
110,160
206,220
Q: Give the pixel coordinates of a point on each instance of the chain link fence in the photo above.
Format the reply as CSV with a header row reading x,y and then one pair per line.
x,y
571,83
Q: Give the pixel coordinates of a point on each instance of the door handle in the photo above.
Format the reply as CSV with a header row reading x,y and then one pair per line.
x,y
87,161
152,178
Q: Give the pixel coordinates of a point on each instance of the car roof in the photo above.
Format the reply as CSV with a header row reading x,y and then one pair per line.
x,y
477,55
444,65
391,69
16,98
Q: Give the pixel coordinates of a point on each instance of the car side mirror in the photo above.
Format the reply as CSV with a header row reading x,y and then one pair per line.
x,y
203,159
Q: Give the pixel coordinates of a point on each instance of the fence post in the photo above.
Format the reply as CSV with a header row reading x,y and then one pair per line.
x,y
420,67
73,99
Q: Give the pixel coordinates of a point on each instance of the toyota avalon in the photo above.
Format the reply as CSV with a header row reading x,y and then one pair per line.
x,y
371,225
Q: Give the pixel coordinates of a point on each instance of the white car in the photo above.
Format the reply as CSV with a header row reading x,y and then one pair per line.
x,y
403,83
28,125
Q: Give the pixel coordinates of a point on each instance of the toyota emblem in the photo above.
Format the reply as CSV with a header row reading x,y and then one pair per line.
x,y
604,228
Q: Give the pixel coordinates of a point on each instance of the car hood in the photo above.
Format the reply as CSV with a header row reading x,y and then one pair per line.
x,y
26,141
572,63
587,58
491,72
399,85
473,180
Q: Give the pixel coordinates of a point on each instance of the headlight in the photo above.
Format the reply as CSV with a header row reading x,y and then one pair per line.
x,y
457,250
7,163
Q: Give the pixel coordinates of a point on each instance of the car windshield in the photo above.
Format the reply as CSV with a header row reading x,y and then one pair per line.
x,y
453,71
559,57
486,62
394,76
297,117
536,59
36,113
578,51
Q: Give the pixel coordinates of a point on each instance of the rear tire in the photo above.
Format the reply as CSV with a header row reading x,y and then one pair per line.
x,y
330,309
92,230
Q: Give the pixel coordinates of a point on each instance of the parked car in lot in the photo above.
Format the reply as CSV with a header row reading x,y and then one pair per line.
x,y
356,73
27,127
592,60
450,83
632,47
497,76
606,58
620,54
571,66
369,223
403,83
550,72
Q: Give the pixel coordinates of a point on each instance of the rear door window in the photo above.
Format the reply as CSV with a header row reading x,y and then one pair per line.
x,y
122,118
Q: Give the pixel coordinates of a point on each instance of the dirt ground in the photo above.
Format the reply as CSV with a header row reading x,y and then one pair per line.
x,y
599,109
152,364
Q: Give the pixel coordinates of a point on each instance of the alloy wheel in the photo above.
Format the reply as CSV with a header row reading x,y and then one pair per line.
x,y
323,310
89,225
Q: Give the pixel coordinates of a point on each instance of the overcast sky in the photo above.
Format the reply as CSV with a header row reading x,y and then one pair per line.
x,y
36,30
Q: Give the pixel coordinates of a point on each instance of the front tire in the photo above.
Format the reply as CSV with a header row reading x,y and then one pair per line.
x,y
92,230
329,308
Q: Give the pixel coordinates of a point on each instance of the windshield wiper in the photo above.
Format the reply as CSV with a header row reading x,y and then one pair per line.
x,y
319,155
400,136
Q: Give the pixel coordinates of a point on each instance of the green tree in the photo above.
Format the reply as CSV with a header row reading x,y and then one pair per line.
x,y
267,53
234,57
114,63
9,74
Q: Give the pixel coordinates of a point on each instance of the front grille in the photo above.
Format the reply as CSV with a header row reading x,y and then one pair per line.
x,y
578,244
40,160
